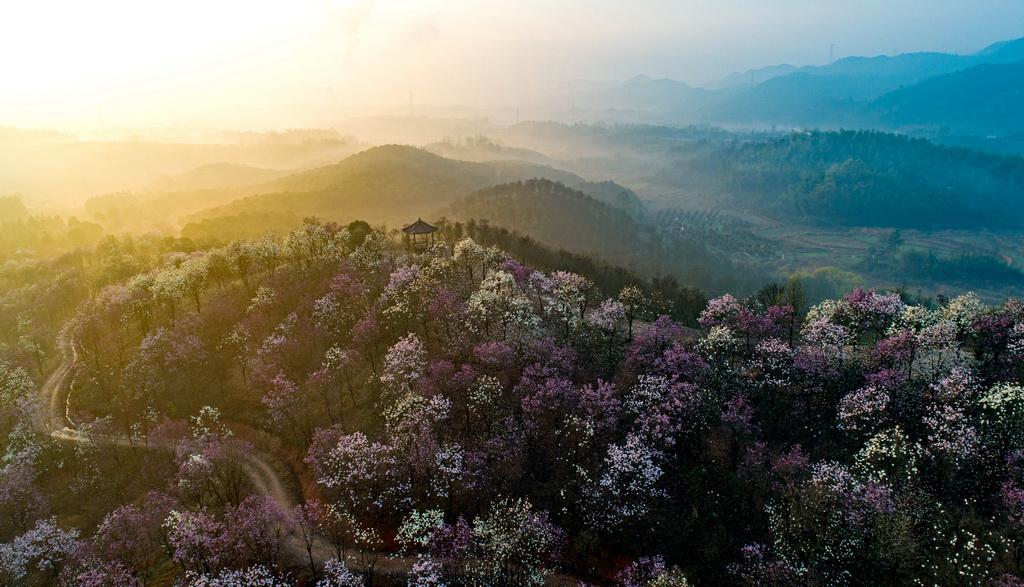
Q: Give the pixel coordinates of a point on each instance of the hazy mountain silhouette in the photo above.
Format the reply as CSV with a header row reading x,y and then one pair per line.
x,y
902,69
867,92
389,184
987,99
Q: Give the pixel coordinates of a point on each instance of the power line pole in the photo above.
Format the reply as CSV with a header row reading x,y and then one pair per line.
x,y
831,52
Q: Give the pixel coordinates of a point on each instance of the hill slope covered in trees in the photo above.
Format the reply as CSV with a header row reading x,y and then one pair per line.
x,y
858,178
564,218
455,416
983,100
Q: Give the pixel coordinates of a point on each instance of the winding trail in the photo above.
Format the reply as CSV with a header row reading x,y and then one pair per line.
x,y
50,390
57,423
266,481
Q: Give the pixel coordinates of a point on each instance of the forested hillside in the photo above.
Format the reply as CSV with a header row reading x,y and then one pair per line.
x,y
983,100
332,408
712,208
564,218
561,217
858,178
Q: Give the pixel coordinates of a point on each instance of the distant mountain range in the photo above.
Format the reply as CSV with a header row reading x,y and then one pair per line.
x,y
976,94
902,69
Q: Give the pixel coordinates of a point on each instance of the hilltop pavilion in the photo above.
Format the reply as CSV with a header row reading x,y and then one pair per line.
x,y
419,234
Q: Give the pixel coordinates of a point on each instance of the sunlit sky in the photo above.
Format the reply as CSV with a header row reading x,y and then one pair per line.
x,y
264,64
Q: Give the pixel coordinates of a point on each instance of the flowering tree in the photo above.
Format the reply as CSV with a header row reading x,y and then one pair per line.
x,y
517,545
211,464
404,364
38,552
500,309
256,530
651,572
662,409
254,576
362,474
629,484
305,519
314,245
1002,419
337,574
197,541
131,538
285,406
571,295
22,501
634,303
15,384
847,514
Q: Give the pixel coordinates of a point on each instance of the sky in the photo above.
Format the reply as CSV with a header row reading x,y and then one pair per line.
x,y
272,63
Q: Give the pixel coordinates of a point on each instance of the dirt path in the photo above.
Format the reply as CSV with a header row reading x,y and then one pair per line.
x,y
51,391
58,424
266,481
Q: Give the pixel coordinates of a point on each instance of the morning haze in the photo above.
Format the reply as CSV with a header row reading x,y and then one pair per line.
x,y
308,62
345,293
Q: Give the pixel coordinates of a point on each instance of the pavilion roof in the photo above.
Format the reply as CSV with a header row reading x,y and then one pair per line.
x,y
419,227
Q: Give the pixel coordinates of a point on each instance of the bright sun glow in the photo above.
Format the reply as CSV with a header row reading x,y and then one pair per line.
x,y
125,60
271,63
